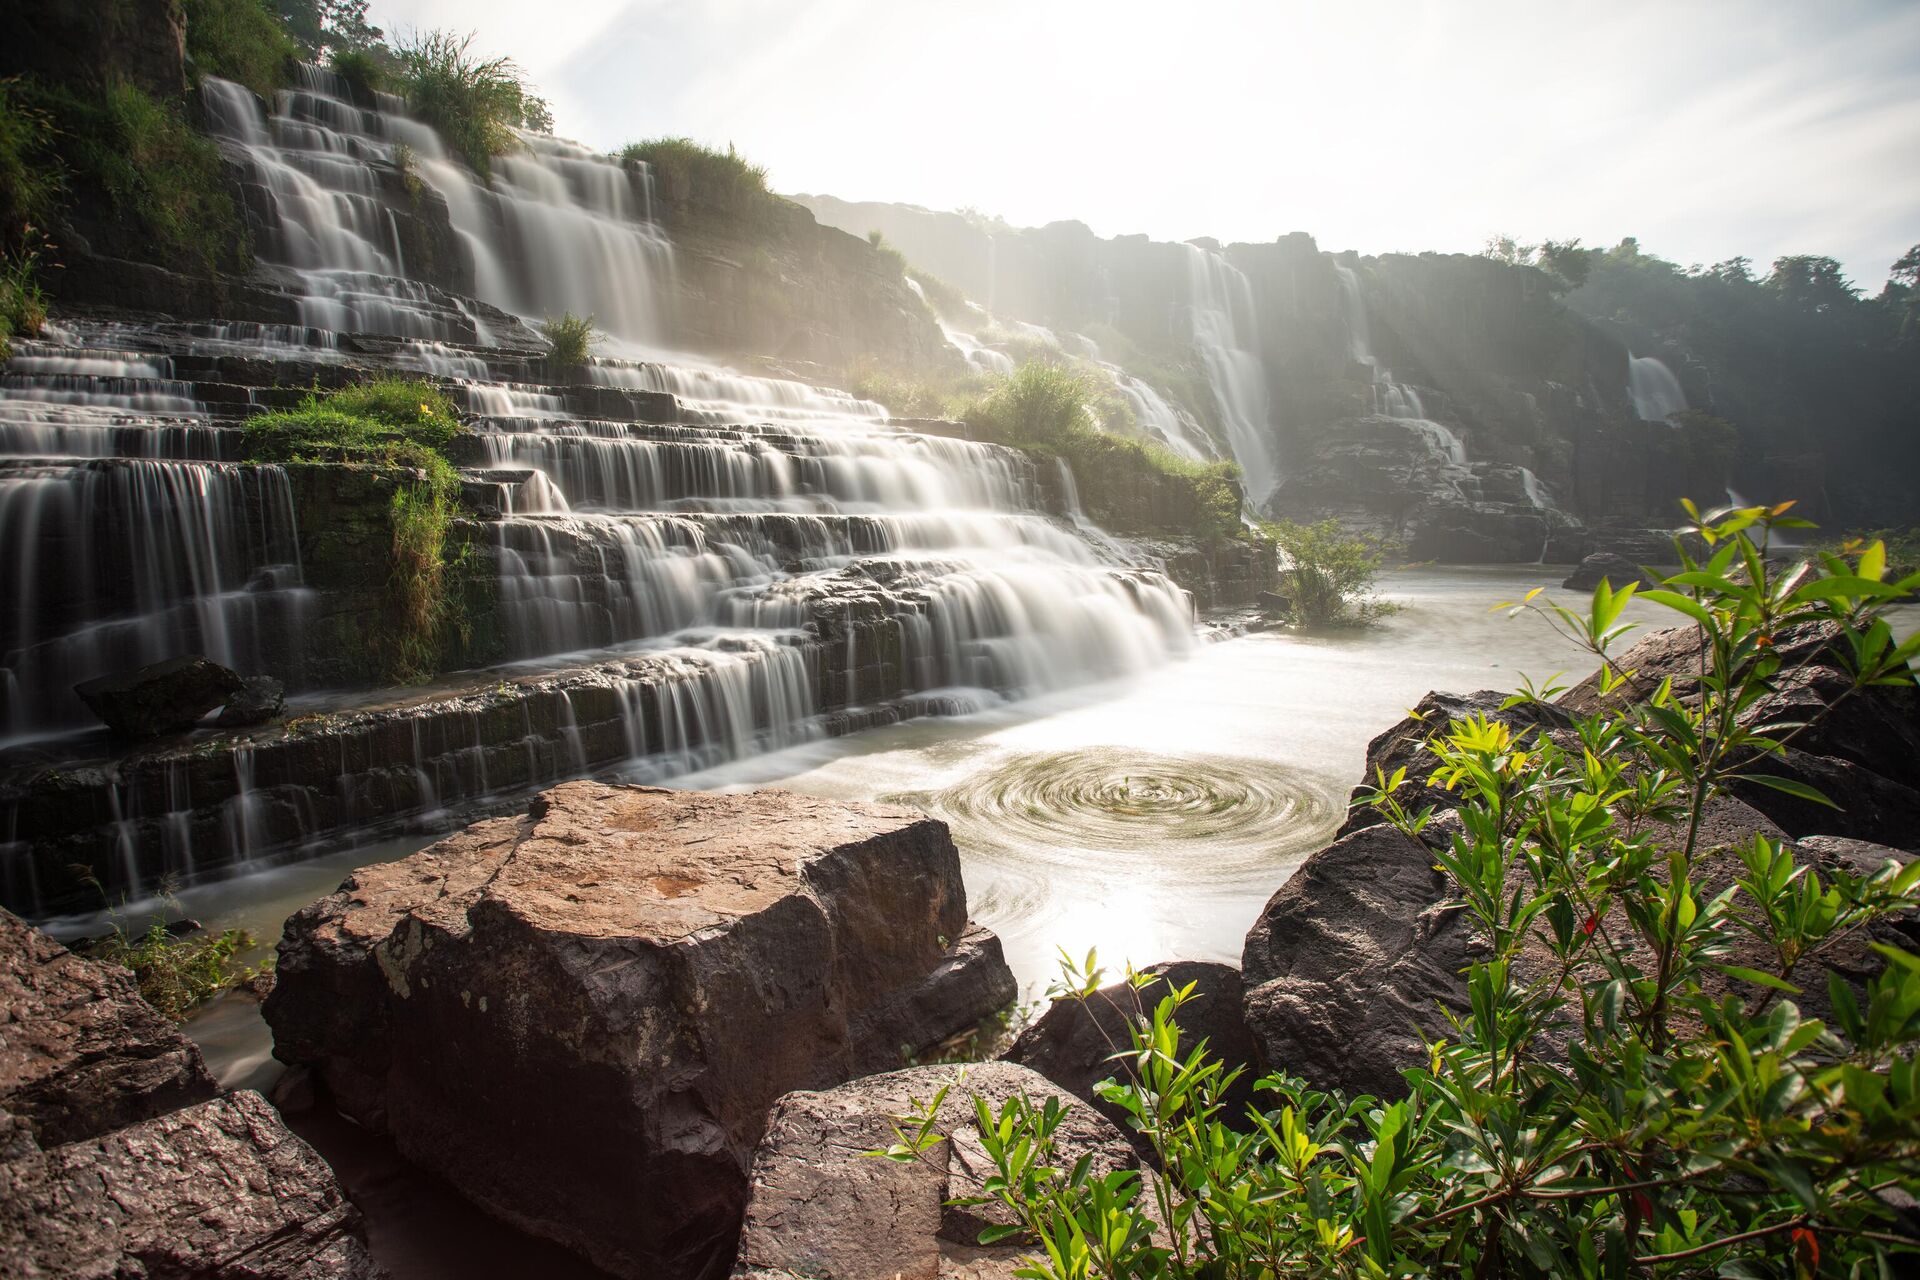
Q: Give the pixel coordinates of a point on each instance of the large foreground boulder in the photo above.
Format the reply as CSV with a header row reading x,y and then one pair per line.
x,y
220,1190
162,697
824,1210
1074,1042
580,1017
80,1052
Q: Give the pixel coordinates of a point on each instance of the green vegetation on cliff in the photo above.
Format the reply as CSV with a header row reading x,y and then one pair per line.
x,y
570,341
686,172
240,40
1629,1085
476,103
406,425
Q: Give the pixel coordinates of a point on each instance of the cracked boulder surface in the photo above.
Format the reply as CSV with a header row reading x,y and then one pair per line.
x,y
823,1209
580,1017
80,1052
221,1190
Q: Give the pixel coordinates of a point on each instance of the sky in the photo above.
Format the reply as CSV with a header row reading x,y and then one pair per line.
x,y
1706,129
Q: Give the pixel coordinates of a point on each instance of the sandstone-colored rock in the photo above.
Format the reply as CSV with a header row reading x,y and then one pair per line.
x,y
219,1190
1073,1042
80,1052
822,1209
581,1017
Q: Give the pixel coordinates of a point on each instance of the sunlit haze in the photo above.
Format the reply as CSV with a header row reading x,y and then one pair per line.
x,y
1707,130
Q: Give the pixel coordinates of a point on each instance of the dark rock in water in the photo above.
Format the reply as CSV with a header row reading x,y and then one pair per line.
x,y
1400,746
163,697
1356,956
580,1017
823,1210
261,698
1073,1042
221,1189
1617,571
80,1052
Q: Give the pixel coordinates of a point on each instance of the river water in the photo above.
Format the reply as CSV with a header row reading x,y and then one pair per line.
x,y
1148,818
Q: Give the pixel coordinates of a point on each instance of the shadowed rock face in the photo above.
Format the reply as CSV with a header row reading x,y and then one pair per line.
x,y
221,1189
164,697
80,1052
581,1017
823,1210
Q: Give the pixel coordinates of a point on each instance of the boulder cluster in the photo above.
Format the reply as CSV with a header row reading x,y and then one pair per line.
x,y
667,1030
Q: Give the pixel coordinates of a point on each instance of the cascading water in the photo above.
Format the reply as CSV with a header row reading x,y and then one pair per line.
x,y
691,564
1655,392
1223,331
1390,399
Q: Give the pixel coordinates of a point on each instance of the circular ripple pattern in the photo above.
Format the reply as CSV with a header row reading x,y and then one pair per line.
x,y
1225,812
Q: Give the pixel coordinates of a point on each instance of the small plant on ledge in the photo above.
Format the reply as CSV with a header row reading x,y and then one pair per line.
x,y
570,342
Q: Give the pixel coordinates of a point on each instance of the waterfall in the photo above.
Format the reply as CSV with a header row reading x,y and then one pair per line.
x,y
1655,392
1223,332
1391,399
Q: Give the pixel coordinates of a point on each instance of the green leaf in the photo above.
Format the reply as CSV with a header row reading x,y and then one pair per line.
x,y
1790,786
1758,978
1680,604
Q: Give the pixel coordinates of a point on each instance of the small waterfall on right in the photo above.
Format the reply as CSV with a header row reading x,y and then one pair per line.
x,y
1655,392
1223,330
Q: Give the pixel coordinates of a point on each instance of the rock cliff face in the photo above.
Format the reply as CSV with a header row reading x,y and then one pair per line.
x,y
581,1017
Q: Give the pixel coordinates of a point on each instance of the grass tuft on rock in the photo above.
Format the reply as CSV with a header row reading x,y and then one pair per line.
x,y
686,172
176,974
570,341
477,104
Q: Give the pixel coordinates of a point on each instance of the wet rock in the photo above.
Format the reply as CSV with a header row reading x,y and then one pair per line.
x,y
80,1052
221,1189
162,697
260,699
1616,570
822,1209
1073,1042
580,1017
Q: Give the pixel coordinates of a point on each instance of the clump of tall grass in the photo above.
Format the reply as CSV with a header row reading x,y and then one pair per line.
x,y
176,974
476,103
687,172
364,70
570,341
239,40
892,256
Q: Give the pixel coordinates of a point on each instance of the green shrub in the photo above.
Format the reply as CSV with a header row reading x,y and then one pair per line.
x,y
32,179
1333,572
176,975
363,69
1596,1112
905,397
685,170
240,40
1037,406
476,103
23,305
570,341
163,185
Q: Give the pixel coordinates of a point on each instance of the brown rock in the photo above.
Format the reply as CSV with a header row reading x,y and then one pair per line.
x,y
80,1051
581,1017
161,697
221,1189
822,1209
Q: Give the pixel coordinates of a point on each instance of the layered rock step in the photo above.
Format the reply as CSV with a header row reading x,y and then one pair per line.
x,y
581,1016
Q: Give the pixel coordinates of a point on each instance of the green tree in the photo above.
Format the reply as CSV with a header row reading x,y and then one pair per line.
x,y
1331,572
1813,283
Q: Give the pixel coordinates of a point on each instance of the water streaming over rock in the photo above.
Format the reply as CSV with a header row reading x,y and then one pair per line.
x,y
1224,333
1655,392
688,564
